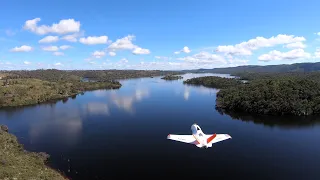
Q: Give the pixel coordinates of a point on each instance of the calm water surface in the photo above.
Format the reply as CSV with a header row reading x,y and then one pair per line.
x,y
117,134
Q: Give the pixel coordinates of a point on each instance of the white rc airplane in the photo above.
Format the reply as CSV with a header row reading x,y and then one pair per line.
x,y
198,138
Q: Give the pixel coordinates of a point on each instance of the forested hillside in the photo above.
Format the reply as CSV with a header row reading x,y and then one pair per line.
x,y
297,67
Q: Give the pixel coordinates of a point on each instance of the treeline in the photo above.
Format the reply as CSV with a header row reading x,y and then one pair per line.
x,y
172,77
267,93
33,91
266,75
297,67
282,95
214,82
77,75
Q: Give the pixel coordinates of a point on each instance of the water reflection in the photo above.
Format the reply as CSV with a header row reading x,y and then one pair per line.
x,y
285,122
97,108
190,89
64,127
126,102
122,99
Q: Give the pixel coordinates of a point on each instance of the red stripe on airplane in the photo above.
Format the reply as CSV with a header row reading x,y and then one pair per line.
x,y
211,138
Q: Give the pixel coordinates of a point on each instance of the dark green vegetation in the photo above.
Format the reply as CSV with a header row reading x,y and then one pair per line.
x,y
172,77
214,82
292,93
16,163
18,88
97,75
281,95
297,67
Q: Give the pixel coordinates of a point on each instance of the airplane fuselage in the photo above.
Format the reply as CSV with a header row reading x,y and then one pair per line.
x,y
199,136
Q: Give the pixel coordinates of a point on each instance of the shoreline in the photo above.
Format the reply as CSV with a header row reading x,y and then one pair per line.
x,y
18,163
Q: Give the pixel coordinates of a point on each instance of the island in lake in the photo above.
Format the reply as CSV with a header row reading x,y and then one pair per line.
x,y
172,77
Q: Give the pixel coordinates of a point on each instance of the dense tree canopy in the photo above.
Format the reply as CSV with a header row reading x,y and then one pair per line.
x,y
277,96
213,81
77,75
172,77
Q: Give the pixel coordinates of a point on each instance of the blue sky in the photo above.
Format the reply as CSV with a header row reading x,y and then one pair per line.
x,y
166,34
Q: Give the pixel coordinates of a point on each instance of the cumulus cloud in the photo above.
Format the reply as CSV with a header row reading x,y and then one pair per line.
x,y
98,54
205,58
184,49
71,37
296,45
58,53
23,48
58,64
92,40
246,48
26,62
112,53
50,48
237,62
64,47
141,51
126,43
49,39
63,27
290,55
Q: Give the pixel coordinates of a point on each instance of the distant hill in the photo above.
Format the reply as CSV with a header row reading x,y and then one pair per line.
x,y
297,67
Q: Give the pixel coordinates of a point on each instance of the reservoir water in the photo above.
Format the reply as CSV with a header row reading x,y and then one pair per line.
x,y
121,134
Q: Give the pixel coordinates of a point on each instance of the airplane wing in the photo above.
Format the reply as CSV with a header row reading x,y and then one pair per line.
x,y
214,138
183,138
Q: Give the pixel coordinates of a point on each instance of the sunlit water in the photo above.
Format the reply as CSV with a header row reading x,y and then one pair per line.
x,y
114,134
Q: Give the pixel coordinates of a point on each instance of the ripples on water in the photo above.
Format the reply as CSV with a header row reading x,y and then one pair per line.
x,y
114,134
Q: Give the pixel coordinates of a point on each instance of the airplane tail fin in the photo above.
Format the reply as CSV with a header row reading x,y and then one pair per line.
x,y
211,138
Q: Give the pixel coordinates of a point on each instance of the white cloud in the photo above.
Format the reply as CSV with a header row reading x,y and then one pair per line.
x,y
49,39
58,64
64,26
237,62
64,47
141,51
318,33
246,48
123,61
26,62
50,48
317,53
162,57
123,44
290,55
23,48
71,37
58,53
296,45
184,49
98,54
112,53
205,58
92,40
